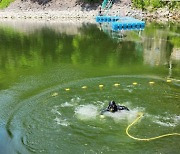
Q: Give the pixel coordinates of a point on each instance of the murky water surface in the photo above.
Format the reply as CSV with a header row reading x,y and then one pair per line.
x,y
50,98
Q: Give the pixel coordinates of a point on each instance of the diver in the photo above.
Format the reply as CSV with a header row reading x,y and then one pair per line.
x,y
112,107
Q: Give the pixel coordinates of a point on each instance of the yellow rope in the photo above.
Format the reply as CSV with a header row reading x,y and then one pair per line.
x,y
145,139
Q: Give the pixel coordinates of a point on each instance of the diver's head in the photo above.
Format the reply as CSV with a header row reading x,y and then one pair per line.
x,y
112,106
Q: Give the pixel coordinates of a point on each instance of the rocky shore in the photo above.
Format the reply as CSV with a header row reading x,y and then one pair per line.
x,y
163,15
71,10
49,15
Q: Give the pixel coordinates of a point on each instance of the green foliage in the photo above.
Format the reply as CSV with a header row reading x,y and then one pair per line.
x,y
155,3
175,41
5,3
146,2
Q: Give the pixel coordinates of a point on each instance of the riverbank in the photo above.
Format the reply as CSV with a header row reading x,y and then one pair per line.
x,y
87,16
63,11
50,15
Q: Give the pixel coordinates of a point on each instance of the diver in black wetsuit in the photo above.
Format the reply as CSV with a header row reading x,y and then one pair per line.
x,y
112,107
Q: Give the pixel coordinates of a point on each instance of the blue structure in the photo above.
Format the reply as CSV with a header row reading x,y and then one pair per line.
x,y
128,25
122,23
101,19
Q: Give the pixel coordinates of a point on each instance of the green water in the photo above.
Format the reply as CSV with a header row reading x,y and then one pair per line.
x,y
38,64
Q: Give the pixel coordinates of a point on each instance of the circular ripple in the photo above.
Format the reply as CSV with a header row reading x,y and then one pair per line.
x,y
57,120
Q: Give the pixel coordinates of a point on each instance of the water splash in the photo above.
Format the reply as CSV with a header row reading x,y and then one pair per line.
x,y
73,102
62,122
124,115
167,120
86,112
67,104
91,112
55,110
76,100
59,118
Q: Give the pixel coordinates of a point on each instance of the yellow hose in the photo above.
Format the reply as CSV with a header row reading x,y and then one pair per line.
x,y
145,139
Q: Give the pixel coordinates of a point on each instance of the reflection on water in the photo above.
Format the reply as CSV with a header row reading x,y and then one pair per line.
x,y
156,47
37,64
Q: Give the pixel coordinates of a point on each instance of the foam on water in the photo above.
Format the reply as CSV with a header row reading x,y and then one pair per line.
x,y
59,118
90,112
62,122
55,110
76,100
167,120
67,104
86,112
124,115
177,119
73,102
128,89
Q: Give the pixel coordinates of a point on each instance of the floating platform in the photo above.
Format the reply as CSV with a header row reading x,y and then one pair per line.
x,y
101,19
127,25
122,23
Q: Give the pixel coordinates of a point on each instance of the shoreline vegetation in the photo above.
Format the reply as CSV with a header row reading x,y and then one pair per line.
x,y
87,10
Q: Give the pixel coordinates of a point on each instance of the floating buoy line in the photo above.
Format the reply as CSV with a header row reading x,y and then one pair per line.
x,y
101,86
140,115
